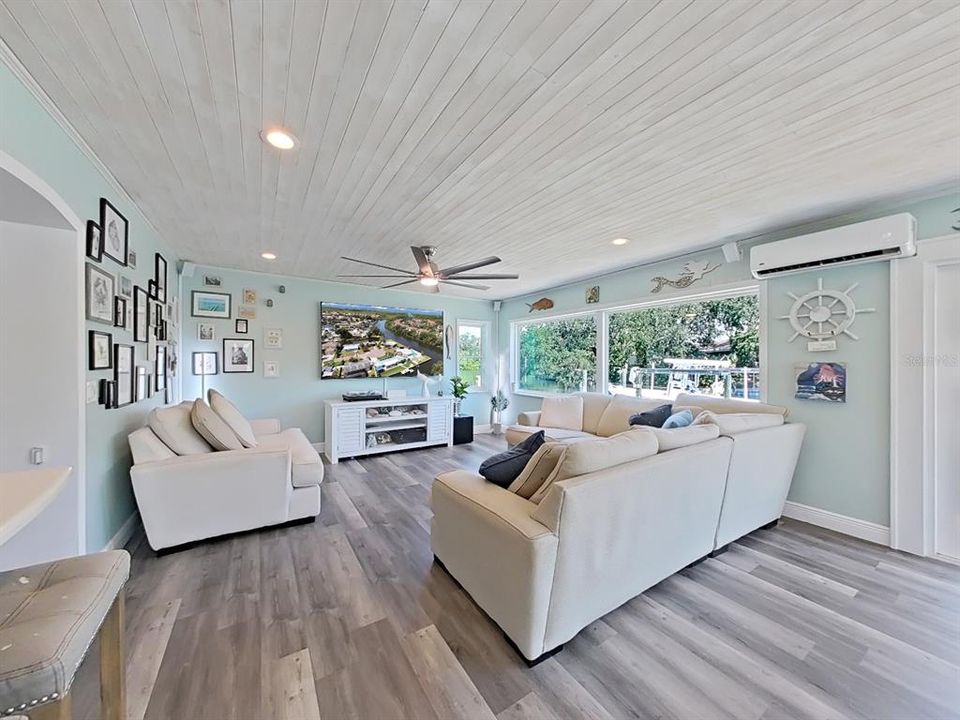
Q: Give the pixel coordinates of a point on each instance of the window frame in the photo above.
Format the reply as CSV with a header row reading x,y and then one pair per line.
x,y
486,353
602,321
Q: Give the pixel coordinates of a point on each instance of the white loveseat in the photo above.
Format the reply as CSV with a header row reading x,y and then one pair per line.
x,y
545,571
183,498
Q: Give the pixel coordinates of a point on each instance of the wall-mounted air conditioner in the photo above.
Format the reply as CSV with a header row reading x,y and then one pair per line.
x,y
885,238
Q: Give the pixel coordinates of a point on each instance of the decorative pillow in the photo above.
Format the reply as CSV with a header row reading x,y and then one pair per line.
x,y
173,426
503,468
652,418
231,416
562,411
538,469
679,420
682,437
212,427
733,423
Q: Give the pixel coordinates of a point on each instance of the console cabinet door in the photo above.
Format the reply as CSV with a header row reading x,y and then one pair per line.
x,y
349,430
438,422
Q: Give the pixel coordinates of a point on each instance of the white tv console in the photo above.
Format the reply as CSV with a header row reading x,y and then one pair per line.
x,y
369,427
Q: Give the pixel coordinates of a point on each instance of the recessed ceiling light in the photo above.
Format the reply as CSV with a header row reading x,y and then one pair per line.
x,y
429,281
279,138
620,241
268,256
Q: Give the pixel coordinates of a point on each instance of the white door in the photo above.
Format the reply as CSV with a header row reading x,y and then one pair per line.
x,y
925,417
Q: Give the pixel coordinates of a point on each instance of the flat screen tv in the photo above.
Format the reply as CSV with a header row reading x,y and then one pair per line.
x,y
375,341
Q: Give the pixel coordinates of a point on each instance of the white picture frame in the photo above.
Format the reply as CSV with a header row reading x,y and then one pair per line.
x,y
271,369
100,287
273,338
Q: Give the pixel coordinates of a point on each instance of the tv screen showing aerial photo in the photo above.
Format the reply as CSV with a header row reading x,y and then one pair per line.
x,y
375,341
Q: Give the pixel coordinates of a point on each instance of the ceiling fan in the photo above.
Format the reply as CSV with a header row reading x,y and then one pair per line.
x,y
430,275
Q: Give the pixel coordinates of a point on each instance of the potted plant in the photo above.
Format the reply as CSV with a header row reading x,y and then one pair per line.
x,y
498,403
459,388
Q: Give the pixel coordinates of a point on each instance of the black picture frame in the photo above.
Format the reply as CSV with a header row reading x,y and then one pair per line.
x,y
124,379
196,297
201,356
156,313
152,288
160,276
112,219
106,393
160,369
242,326
94,241
141,314
119,312
92,364
228,359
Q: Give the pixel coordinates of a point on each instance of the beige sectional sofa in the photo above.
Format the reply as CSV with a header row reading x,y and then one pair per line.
x,y
544,571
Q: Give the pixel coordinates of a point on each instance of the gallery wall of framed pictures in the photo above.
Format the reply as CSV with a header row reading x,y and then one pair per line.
x,y
140,352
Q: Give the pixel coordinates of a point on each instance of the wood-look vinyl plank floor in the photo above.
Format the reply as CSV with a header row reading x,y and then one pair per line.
x,y
349,617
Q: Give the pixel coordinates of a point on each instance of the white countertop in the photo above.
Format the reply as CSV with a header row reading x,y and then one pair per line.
x,y
24,494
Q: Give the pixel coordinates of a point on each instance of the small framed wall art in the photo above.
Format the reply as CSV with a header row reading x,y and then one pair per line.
x,y
100,355
100,286
125,286
94,241
273,338
205,363
249,296
160,277
271,369
114,232
210,304
141,314
119,311
206,331
143,383
241,327
123,375
237,355
160,369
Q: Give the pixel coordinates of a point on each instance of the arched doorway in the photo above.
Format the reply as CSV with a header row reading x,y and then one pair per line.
x,y
42,363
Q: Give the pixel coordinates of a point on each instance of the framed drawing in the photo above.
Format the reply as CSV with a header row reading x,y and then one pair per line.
x,y
160,277
205,363
114,232
119,311
141,310
249,312
94,241
249,296
160,369
237,355
100,287
123,375
241,327
206,331
132,259
273,338
271,369
125,286
210,304
142,383
100,355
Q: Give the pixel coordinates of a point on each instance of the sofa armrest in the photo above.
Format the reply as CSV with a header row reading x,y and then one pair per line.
x,y
505,559
531,418
265,426
191,497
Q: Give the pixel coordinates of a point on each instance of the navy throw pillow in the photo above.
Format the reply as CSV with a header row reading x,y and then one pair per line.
x,y
652,418
503,468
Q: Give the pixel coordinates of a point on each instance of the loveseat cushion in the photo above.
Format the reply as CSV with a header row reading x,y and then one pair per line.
x,y
518,433
616,418
213,428
538,469
175,429
232,417
307,467
594,404
503,468
652,418
675,438
733,423
562,411
146,447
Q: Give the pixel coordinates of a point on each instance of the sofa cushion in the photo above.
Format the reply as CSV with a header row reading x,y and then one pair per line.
x,y
652,418
212,427
679,420
733,423
562,411
173,426
729,405
616,418
232,417
518,433
594,404
675,438
538,469
307,467
146,447
503,468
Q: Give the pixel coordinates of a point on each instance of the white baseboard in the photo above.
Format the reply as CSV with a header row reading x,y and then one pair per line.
x,y
863,529
123,535
318,447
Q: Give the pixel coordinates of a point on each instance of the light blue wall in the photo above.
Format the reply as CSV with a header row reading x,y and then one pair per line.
x,y
31,136
297,396
844,466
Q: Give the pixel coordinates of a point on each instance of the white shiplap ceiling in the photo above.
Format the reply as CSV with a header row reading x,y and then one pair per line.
x,y
537,131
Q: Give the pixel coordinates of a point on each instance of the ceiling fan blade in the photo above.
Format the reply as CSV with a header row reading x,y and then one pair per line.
x,y
385,267
472,286
485,276
372,276
469,266
405,282
423,262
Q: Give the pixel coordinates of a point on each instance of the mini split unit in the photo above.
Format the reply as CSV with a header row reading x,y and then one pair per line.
x,y
886,238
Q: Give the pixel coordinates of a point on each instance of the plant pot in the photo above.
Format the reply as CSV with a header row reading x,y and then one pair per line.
x,y
456,406
497,428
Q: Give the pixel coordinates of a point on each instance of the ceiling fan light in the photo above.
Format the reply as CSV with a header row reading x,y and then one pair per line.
x,y
429,281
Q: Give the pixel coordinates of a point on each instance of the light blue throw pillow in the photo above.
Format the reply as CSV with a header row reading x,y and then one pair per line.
x,y
679,420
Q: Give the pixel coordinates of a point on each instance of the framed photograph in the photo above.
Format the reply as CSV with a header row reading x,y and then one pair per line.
x,y
237,355
94,243
156,313
132,259
212,281
160,275
241,327
822,381
162,331
100,351
141,314
152,289
249,296
113,232
273,338
248,312
160,369
142,383
271,369
107,389
210,304
100,287
123,375
593,294
206,331
205,363
119,311
125,287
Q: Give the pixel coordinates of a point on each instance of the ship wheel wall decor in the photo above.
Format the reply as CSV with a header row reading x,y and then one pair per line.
x,y
823,315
